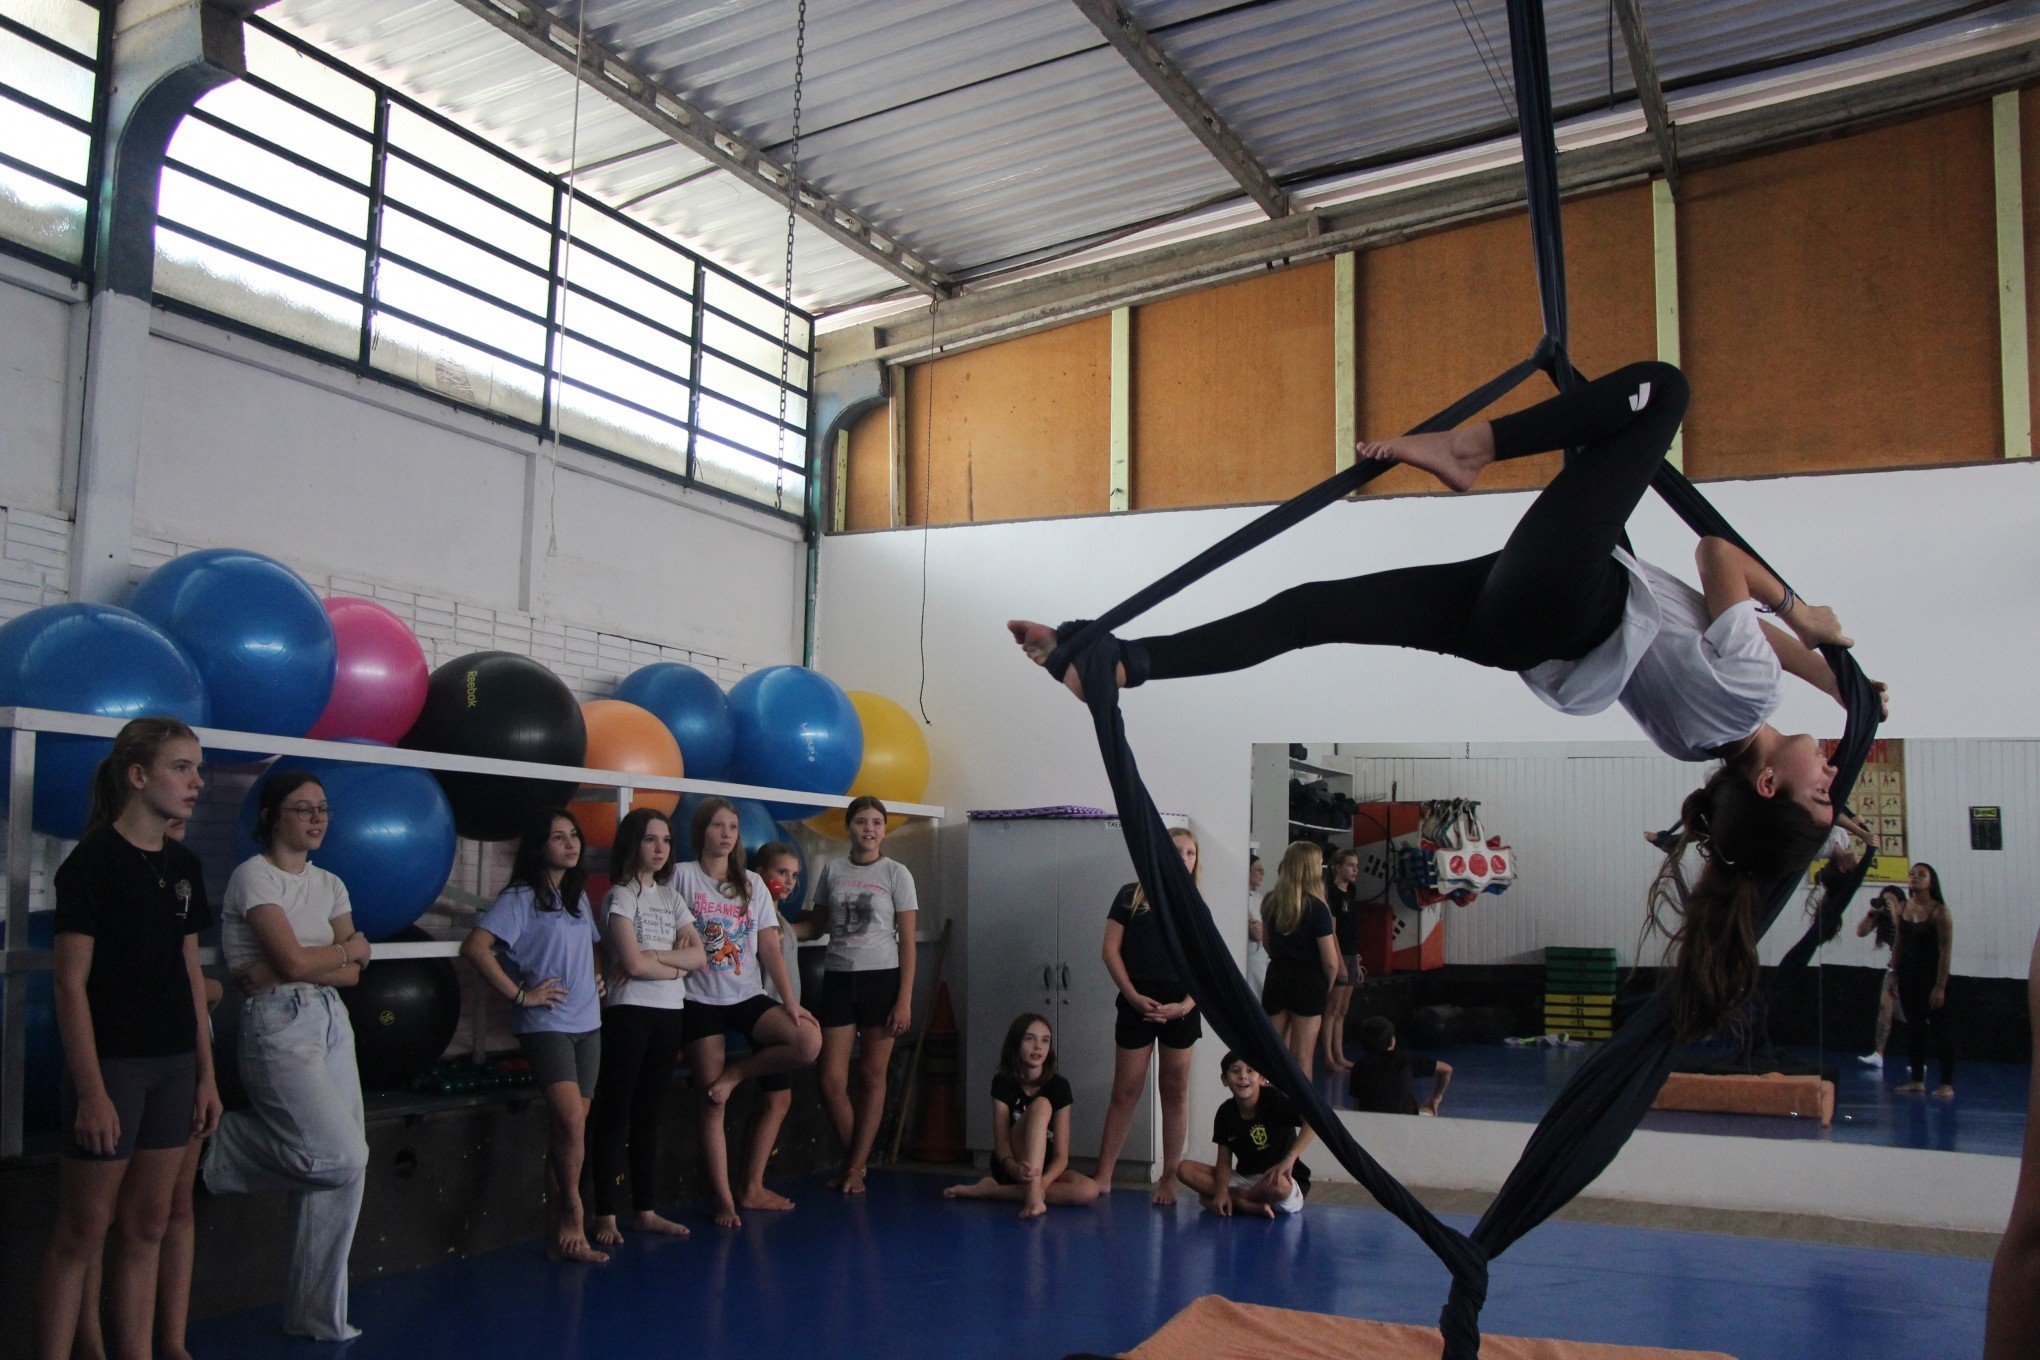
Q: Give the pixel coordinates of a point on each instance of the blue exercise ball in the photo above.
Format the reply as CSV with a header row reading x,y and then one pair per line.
x,y
796,729
391,839
756,828
694,709
261,639
89,658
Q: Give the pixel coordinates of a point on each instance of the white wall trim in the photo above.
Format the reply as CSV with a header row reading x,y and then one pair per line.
x,y
38,279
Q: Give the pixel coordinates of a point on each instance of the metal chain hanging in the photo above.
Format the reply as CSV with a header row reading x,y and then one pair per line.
x,y
792,218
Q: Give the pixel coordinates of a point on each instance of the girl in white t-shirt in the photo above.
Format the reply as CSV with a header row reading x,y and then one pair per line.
x,y
653,946
867,902
287,932
740,931
1587,625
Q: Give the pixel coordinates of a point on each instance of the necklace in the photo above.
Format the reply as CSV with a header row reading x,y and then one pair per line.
x,y
161,866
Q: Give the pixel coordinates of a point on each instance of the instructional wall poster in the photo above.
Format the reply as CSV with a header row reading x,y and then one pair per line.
x,y
1879,803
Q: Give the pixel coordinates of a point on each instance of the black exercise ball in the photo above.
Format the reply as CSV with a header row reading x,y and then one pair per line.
x,y
509,707
404,1013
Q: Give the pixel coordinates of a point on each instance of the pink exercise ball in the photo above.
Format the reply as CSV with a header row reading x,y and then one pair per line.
x,y
380,686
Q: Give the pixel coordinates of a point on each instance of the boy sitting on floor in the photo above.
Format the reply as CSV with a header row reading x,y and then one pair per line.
x,y
1259,1136
1383,1080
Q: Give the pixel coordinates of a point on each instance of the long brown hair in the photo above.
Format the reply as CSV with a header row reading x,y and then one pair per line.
x,y
1299,878
627,847
734,883
1179,835
1009,1051
138,742
1747,842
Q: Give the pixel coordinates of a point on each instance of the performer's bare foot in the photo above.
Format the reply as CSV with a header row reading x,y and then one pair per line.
x,y
1454,457
647,1221
569,1245
719,1089
1253,1207
1033,1208
726,1216
980,1188
760,1198
1038,640
1944,1092
606,1234
850,1180
1911,1088
1165,1193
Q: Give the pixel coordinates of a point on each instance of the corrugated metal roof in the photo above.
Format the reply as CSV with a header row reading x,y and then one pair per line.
x,y
988,132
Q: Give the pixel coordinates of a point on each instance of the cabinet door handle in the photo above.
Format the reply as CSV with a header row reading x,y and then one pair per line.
x,y
1048,976
1066,977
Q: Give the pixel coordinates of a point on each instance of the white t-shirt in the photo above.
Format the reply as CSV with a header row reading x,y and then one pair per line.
x,y
309,901
1691,685
861,902
729,932
655,915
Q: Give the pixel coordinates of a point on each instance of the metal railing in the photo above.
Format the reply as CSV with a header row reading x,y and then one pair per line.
x,y
23,725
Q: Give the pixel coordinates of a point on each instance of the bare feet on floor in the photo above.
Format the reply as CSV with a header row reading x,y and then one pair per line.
x,y
606,1233
649,1222
1033,1209
758,1197
726,1216
1910,1088
1253,1208
976,1189
1944,1092
571,1245
1454,457
1165,1193
849,1180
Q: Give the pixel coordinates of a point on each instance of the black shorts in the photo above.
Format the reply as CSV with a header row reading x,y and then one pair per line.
x,y
1295,985
1131,1030
865,998
153,1097
702,1020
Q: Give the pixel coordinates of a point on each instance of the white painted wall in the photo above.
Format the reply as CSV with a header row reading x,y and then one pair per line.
x,y
34,364
1950,623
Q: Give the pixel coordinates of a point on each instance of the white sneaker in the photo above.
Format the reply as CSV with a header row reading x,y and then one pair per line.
x,y
1871,1059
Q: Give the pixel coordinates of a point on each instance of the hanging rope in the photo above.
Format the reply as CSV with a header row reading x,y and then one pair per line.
x,y
792,218
1604,1102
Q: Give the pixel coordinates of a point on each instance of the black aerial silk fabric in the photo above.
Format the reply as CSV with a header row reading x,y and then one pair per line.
x,y
1597,1111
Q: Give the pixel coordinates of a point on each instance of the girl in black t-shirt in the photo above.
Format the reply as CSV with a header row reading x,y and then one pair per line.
x,y
1030,1127
131,1007
1342,896
1303,956
1153,1007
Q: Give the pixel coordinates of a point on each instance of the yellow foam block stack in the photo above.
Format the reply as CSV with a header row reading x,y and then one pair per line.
x,y
1579,992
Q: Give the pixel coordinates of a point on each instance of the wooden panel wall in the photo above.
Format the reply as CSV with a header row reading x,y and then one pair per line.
x,y
868,502
1232,391
1017,430
1840,303
1443,313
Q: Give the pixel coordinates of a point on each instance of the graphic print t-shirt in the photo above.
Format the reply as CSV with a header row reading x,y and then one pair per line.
x,y
729,932
1259,1140
861,901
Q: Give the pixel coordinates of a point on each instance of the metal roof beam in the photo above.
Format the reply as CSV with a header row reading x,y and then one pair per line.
x,y
1649,92
684,122
993,312
1152,65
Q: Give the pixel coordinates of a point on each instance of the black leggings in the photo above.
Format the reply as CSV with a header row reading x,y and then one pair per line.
x,y
640,1045
1914,987
1553,593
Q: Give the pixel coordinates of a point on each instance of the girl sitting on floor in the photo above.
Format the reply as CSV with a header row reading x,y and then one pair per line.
x,y
1030,1127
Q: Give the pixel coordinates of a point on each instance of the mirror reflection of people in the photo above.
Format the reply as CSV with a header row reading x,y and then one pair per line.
x,y
1342,873
1303,956
1384,1080
1257,952
1881,920
1920,957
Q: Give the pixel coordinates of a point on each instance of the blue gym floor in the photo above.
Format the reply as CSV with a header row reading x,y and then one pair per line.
x,y
1986,1115
900,1273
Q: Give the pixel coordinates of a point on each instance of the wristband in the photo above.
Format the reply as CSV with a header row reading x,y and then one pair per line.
x,y
518,1000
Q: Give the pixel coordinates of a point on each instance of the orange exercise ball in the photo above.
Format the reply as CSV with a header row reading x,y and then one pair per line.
x,y
622,736
895,764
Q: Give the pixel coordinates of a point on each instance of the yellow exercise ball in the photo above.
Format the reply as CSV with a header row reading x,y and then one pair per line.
x,y
895,765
